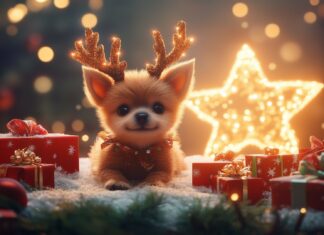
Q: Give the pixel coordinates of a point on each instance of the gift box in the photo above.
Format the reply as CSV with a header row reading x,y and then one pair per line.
x,y
40,176
8,222
203,171
268,166
58,149
298,191
249,189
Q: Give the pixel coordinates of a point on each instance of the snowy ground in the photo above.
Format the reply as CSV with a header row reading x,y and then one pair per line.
x,y
179,194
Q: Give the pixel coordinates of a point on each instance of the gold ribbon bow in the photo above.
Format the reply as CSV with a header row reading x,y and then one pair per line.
x,y
24,157
235,169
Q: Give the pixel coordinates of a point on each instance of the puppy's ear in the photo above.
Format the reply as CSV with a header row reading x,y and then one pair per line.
x,y
96,85
180,77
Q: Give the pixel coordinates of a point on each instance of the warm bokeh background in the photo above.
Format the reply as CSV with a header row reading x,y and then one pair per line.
x,y
290,48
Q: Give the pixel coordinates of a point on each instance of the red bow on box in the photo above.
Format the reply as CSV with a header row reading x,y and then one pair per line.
x,y
20,127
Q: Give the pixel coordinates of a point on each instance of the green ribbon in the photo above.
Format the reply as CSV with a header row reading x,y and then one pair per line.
x,y
254,166
281,164
298,190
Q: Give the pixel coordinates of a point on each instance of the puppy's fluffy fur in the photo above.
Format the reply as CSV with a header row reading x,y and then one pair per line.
x,y
139,92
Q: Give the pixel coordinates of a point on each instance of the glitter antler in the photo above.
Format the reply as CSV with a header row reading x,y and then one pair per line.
x,y
93,55
180,44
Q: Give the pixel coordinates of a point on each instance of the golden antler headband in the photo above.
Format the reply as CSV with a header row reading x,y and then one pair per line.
x,y
91,54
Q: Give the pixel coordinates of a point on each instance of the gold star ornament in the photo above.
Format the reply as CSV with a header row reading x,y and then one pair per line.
x,y
251,110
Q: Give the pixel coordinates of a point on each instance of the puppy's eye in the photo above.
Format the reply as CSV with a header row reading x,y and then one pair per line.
x,y
123,110
158,108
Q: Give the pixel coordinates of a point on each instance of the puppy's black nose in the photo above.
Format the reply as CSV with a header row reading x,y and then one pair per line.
x,y
141,118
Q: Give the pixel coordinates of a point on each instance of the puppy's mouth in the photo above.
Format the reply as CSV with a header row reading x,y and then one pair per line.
x,y
143,128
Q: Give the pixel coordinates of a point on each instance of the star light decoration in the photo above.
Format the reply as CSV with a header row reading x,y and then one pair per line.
x,y
251,110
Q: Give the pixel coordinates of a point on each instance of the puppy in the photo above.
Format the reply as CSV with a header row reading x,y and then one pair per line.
x,y
139,111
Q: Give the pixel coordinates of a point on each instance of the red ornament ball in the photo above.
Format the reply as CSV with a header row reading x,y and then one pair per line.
x,y
13,190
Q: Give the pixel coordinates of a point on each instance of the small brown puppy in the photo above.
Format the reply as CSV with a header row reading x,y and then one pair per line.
x,y
139,109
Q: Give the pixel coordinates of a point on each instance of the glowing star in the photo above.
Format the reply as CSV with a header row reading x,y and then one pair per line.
x,y
251,110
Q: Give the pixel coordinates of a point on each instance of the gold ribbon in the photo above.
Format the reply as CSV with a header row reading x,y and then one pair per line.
x,y
25,157
236,169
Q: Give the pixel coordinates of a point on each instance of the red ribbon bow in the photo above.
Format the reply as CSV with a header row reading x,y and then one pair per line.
x,y
20,127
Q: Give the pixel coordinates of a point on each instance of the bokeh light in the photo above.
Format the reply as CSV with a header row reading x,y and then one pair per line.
x,y
244,25
34,5
43,84
12,30
234,197
61,4
17,13
272,30
322,125
78,107
320,10
310,17
95,4
45,54
30,118
314,2
290,51
89,20
58,127
272,66
85,138
77,125
85,102
240,9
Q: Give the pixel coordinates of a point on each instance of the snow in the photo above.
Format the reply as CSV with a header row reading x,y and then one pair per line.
x,y
178,194
81,185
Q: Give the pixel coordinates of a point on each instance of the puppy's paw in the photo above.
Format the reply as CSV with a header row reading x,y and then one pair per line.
x,y
157,183
117,185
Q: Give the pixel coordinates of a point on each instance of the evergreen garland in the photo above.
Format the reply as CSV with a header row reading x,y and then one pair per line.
x,y
144,216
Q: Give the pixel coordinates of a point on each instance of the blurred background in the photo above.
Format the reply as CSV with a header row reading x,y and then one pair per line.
x,y
39,81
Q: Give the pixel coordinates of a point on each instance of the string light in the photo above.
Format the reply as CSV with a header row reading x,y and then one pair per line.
x,y
89,20
262,108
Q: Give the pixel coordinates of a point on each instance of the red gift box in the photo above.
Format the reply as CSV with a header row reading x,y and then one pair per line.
x,y
37,176
298,191
202,172
59,149
250,189
270,166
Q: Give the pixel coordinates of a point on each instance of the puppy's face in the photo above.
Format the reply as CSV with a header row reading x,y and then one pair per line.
x,y
140,110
